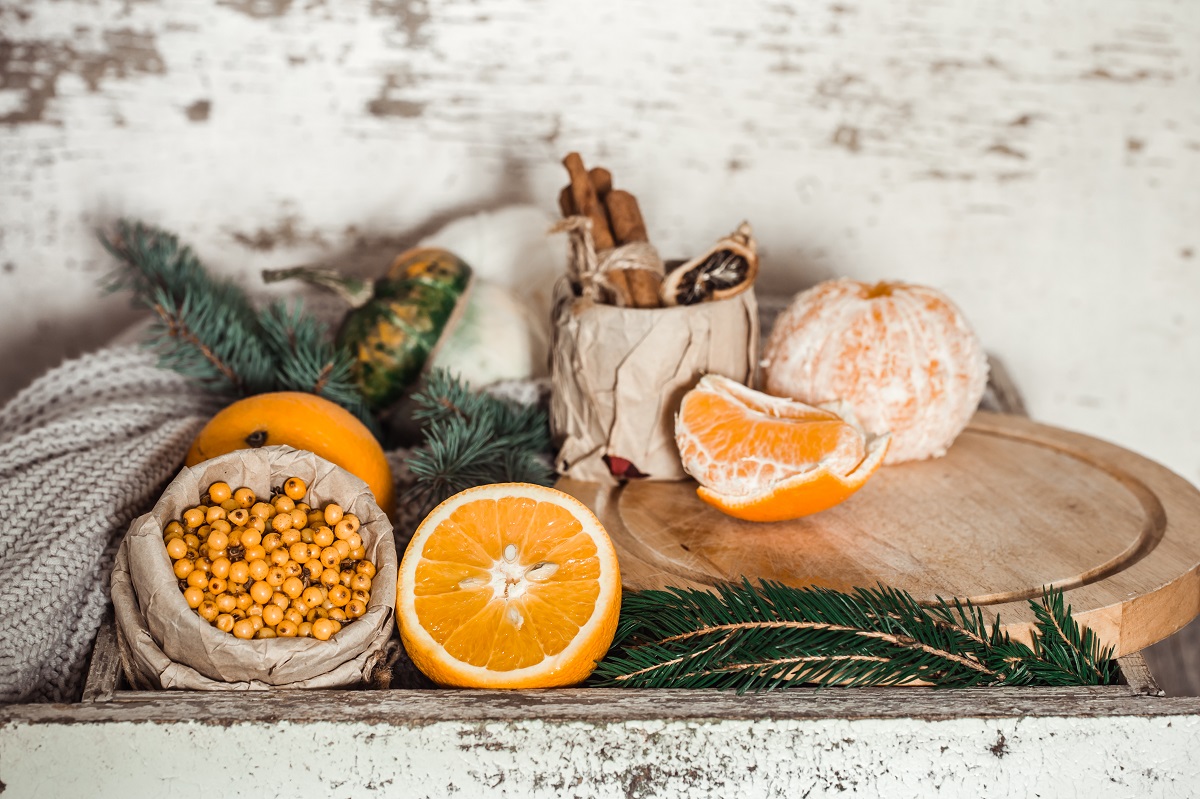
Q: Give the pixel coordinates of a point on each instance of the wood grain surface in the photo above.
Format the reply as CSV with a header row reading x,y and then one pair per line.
x,y
1013,507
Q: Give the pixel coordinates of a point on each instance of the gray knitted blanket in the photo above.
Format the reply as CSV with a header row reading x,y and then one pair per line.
x,y
83,450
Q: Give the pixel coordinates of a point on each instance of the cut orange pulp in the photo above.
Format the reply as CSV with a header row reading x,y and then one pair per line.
x,y
511,585
763,458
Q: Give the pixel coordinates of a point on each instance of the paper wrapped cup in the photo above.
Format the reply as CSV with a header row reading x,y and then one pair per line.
x,y
619,375
165,644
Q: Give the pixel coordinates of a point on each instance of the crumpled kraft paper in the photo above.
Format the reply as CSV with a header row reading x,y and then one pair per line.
x,y
619,375
166,644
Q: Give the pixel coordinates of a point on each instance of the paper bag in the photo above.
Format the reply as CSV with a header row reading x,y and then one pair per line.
x,y
165,644
619,375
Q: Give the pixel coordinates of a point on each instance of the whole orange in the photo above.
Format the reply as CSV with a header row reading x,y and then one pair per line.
x,y
303,421
901,356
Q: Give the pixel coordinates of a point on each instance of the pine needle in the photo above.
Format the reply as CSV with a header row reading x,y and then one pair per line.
x,y
749,637
472,438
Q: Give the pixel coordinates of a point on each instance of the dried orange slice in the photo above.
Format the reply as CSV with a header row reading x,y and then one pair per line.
x,y
764,458
509,585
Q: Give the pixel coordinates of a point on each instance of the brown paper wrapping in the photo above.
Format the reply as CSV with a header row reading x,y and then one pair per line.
x,y
620,373
165,644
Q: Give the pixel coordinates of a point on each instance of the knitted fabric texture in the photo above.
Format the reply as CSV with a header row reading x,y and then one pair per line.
x,y
84,450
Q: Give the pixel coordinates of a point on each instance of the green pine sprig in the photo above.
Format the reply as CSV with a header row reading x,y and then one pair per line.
x,y
749,637
472,438
208,329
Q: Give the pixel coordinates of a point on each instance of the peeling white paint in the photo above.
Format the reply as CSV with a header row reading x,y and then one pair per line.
x,y
1127,757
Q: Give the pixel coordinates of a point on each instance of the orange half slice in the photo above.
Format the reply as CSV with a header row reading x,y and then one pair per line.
x,y
510,585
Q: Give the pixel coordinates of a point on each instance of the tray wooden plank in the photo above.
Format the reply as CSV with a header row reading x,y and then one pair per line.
x,y
1014,506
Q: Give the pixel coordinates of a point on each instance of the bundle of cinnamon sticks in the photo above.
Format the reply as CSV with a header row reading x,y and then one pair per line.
x,y
616,220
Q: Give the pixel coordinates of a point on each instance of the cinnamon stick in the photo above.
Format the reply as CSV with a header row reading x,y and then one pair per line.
x,y
601,181
586,201
566,203
628,227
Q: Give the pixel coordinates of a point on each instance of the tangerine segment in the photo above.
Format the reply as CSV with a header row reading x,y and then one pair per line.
x,y
508,586
801,495
737,441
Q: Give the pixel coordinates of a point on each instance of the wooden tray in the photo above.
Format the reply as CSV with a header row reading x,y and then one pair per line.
x,y
1014,506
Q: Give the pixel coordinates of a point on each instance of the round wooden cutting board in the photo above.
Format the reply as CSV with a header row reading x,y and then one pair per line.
x,y
1012,507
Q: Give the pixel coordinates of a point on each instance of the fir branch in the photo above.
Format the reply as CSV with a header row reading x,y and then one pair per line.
x,y
472,439
760,637
206,328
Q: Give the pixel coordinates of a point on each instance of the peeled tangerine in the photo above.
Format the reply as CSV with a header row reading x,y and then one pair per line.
x,y
767,459
901,356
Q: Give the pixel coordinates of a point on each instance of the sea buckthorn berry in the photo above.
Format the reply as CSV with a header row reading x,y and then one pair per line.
x,y
192,540
306,535
330,577
293,587
330,557
193,596
365,567
197,578
193,517
219,491
344,529
281,599
207,610
172,528
275,576
316,518
322,629
286,629
252,554
292,569
259,569
225,623
229,505
214,514
299,518
245,601
355,541
244,497
283,504
279,556
272,615
301,607
281,522
226,603
183,567
238,517
345,577
339,595
337,614
217,553
203,565
343,549
333,513
314,552
220,568
238,614
221,526
358,554
299,552
323,536
312,596
292,615
261,510
355,608
216,585
271,542
244,629
289,537
256,523
176,549
252,538
295,488
358,593
239,572
217,541
304,629
255,619
360,582
261,592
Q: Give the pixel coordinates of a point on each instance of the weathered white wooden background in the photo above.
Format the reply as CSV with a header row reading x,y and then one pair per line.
x,y
1040,162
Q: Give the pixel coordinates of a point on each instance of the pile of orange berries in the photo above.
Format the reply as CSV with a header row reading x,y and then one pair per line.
x,y
270,569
